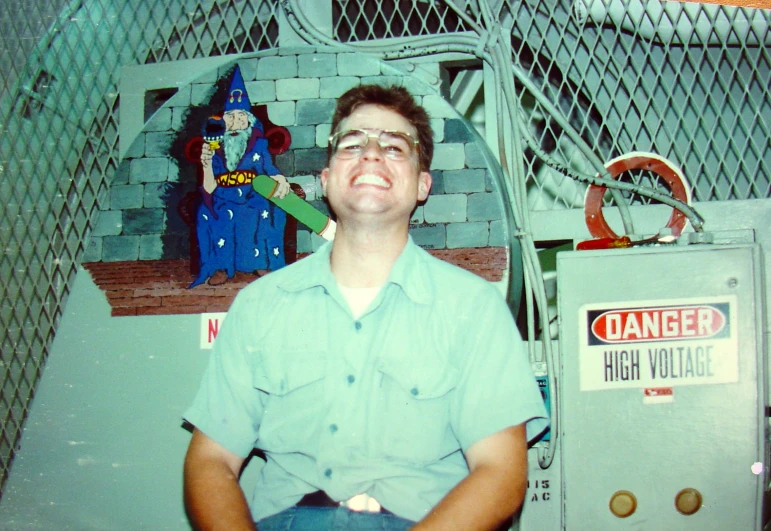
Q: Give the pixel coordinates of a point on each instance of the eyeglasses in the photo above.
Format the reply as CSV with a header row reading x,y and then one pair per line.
x,y
395,145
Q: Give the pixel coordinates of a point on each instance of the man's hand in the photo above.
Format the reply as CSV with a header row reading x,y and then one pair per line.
x,y
207,153
213,498
492,492
209,182
283,186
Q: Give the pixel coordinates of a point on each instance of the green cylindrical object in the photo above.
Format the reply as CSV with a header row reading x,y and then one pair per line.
x,y
292,204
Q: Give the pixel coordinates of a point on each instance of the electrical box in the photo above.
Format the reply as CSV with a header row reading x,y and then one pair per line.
x,y
662,402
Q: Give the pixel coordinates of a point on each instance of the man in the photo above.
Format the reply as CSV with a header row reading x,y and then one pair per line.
x,y
238,229
370,373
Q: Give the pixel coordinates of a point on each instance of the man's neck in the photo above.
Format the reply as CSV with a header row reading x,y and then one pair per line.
x,y
363,258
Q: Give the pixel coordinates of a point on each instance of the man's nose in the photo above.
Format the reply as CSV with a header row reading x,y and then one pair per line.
x,y
372,149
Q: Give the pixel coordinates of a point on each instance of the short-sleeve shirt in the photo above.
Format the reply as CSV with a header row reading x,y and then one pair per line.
x,y
384,404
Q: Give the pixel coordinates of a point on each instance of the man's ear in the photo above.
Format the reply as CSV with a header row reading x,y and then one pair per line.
x,y
324,177
424,185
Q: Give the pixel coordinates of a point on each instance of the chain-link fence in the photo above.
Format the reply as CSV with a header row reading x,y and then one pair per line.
x,y
687,81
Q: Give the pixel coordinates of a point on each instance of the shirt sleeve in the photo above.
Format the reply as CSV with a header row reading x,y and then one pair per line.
x,y
497,388
228,408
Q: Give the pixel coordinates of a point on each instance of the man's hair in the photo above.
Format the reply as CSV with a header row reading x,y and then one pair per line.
x,y
393,98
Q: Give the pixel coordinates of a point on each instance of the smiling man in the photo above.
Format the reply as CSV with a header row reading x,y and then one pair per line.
x,y
387,389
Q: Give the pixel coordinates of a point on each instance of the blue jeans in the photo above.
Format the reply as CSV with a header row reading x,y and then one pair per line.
x,y
331,519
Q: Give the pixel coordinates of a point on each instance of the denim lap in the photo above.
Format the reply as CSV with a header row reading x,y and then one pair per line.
x,y
331,519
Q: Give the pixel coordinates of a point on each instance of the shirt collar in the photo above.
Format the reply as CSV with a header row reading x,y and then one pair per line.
x,y
408,272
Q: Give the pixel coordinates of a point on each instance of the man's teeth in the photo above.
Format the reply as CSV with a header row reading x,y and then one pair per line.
x,y
369,178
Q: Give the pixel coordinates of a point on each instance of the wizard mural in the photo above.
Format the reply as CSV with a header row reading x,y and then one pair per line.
x,y
237,228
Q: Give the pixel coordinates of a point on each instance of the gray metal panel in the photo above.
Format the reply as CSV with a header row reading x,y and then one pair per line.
x,y
706,438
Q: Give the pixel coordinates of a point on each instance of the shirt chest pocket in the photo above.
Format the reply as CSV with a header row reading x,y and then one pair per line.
x,y
416,398
292,385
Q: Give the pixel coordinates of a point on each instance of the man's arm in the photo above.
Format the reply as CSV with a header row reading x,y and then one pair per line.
x,y
213,497
492,492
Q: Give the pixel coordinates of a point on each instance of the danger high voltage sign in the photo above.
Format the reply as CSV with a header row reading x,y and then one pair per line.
x,y
658,343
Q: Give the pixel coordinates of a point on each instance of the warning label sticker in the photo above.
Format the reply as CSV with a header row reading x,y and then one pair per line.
x,y
658,343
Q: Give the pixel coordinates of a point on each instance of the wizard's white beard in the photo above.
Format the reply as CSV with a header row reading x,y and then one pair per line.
x,y
235,146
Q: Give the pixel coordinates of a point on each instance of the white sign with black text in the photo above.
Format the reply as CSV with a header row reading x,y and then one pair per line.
x,y
659,343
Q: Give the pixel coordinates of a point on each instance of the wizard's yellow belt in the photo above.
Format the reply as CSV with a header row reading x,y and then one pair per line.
x,y
236,178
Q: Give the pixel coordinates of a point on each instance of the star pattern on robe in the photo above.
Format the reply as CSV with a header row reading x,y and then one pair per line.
x,y
221,243
264,214
256,157
275,251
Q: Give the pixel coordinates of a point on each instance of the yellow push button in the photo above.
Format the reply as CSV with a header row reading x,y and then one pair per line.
x,y
688,501
623,503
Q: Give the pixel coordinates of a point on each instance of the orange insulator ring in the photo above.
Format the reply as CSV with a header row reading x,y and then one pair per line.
x,y
595,220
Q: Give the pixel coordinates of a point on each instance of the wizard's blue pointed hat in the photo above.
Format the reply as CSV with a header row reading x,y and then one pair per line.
x,y
237,99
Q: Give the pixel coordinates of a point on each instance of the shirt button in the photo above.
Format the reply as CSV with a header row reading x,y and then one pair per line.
x,y
333,428
351,378
358,325
414,391
328,472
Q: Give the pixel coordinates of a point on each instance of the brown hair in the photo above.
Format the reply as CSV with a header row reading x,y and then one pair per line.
x,y
393,98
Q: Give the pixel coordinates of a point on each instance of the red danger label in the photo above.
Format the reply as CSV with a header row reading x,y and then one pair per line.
x,y
632,325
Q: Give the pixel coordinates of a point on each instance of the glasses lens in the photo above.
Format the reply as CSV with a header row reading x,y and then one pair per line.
x,y
395,145
349,144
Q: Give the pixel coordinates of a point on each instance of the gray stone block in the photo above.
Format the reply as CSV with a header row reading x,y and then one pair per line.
x,y
179,117
474,234
121,175
315,111
303,136
334,87
143,221
93,252
158,144
437,129
201,93
120,248
285,162
457,181
137,147
429,236
323,132
437,182
108,223
181,98
261,91
297,89
126,196
445,208
484,206
309,160
438,107
279,67
154,194
304,241
149,170
417,216
448,157
283,113
457,130
497,234
248,69
357,64
150,247
160,121
317,65
474,156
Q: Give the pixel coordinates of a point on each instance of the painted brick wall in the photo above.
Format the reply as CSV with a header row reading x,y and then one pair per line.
x,y
299,89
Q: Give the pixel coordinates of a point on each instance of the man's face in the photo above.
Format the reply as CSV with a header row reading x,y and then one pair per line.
x,y
373,184
236,120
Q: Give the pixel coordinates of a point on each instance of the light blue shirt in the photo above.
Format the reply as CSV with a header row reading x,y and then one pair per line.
x,y
383,404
